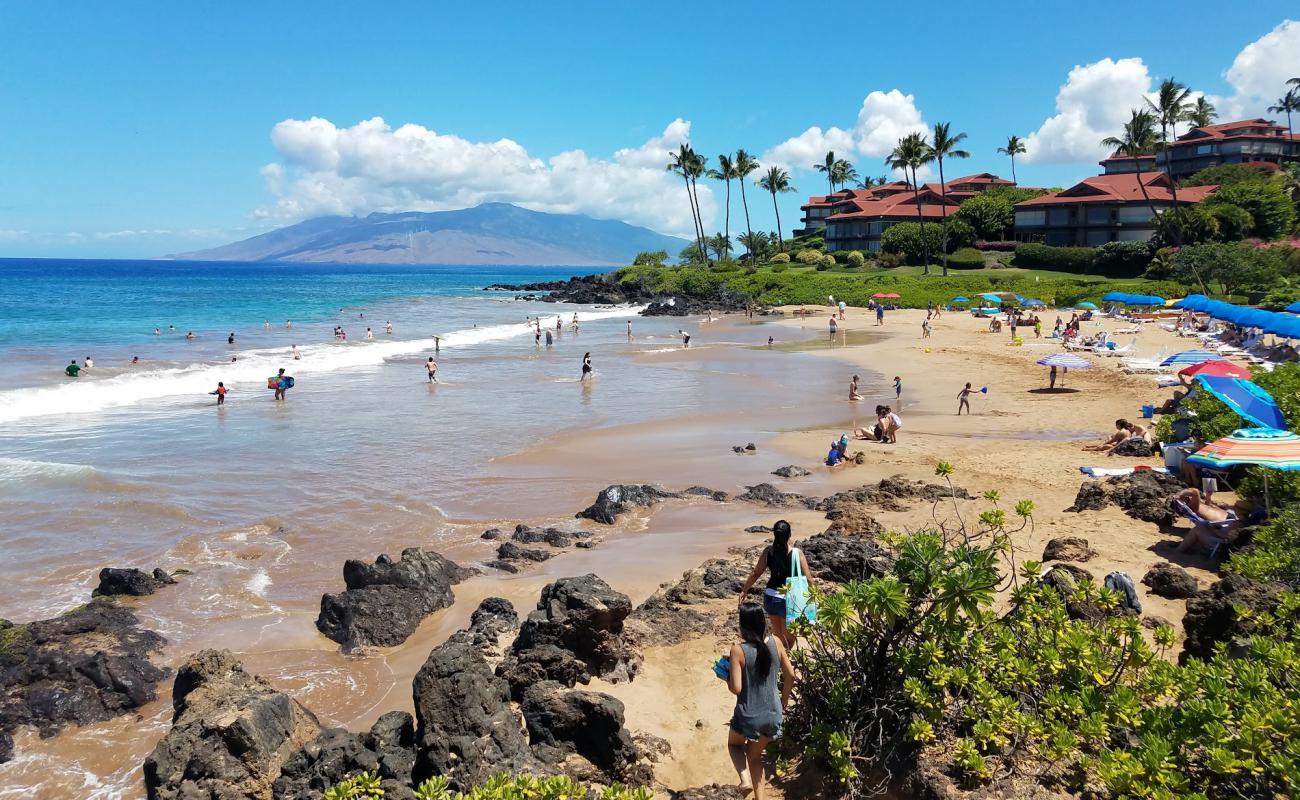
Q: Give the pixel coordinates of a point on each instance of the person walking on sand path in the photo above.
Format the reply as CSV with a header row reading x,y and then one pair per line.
x,y
751,670
925,328
963,400
586,365
835,327
777,561
431,367
880,314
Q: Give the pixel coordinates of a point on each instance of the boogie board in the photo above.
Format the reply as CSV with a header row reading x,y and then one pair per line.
x,y
288,382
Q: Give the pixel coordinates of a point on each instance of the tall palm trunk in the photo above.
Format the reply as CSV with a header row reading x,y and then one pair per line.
x,y
699,219
943,197
749,230
695,217
916,198
726,227
779,236
1013,170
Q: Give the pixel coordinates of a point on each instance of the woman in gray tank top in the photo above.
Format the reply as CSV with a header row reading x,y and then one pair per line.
x,y
755,662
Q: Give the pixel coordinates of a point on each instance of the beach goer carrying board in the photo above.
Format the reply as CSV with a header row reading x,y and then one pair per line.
x,y
751,675
963,400
586,365
776,560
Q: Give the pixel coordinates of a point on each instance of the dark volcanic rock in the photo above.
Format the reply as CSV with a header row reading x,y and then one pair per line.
x,y
494,617
1066,579
504,566
1142,495
572,721
89,665
1135,448
667,617
1068,548
1213,615
509,551
713,791
231,733
135,582
1169,580
385,601
890,493
842,559
758,529
552,536
791,471
388,750
491,533
575,633
768,495
466,727
704,491
853,518
619,498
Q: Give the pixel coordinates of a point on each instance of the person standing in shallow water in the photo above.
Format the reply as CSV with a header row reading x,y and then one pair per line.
x,y
586,365
753,666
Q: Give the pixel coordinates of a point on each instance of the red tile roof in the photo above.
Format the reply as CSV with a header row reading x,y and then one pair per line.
x,y
1121,188
894,206
1232,130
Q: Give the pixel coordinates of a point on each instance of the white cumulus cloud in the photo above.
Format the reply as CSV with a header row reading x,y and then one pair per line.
x,y
1093,103
370,166
883,119
1259,73
809,148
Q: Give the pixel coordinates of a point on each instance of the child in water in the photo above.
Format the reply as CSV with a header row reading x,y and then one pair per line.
x,y
221,393
898,387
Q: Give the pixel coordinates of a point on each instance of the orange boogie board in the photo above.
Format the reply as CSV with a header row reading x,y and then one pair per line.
x,y
273,382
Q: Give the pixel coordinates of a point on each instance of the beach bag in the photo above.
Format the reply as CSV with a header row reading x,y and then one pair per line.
x,y
797,604
1128,596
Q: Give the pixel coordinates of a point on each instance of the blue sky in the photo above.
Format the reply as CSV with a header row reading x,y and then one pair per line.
x,y
135,129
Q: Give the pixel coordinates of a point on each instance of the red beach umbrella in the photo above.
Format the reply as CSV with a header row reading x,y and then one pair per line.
x,y
885,296
1218,367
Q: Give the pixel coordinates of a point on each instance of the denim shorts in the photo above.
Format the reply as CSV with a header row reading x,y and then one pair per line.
x,y
774,605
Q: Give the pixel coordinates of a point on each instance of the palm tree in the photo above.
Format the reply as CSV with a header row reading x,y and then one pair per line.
x,y
911,153
698,167
776,181
828,166
745,164
1138,140
1014,148
721,244
726,171
679,163
945,146
1285,105
844,173
1170,106
755,244
1202,113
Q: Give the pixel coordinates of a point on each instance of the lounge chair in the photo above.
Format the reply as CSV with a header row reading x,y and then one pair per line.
x,y
1221,533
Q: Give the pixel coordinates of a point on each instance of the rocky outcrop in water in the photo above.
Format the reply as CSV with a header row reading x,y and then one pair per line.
x,y
231,734
765,494
134,582
385,602
608,290
89,665
674,614
1143,495
791,471
621,498
575,633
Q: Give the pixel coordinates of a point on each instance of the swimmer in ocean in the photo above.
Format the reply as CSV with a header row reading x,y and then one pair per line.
x,y
369,334
220,393
231,338
280,386
431,367
586,365
72,370
295,353
157,332
189,336
89,363
266,324
549,340
388,327
135,359
537,338
288,324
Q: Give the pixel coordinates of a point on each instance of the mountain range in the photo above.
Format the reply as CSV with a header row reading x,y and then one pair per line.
x,y
491,233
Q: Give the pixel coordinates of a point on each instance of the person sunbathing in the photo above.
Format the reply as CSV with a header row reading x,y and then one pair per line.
x,y
1124,430
1202,506
1171,405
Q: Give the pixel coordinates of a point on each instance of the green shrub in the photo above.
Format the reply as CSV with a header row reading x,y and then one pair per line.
x,y
906,238
933,655
855,259
1274,553
779,258
365,786
1122,259
1226,175
1280,297
1234,266
884,259
1062,259
1233,222
780,266
991,216
809,257
966,258
1267,203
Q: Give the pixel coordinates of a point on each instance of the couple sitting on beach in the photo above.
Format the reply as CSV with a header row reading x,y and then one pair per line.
x,y
886,429
1125,431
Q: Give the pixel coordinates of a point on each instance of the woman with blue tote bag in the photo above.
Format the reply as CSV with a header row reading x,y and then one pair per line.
x,y
785,596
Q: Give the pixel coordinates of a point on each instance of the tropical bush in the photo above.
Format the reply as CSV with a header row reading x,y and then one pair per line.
x,y
991,216
653,258
855,259
1122,259
1279,297
1226,175
1064,259
966,258
921,664
1267,203
808,256
779,258
996,246
1234,266
1274,553
781,266
1233,223
905,238
365,786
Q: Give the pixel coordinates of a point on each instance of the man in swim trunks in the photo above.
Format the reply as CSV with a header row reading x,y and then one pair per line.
x,y
431,367
72,370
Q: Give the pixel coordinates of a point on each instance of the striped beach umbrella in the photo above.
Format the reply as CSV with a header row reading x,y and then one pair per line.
x,y
1065,360
1189,357
1260,447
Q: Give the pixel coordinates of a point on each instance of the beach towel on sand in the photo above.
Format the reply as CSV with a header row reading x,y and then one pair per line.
x,y
1106,472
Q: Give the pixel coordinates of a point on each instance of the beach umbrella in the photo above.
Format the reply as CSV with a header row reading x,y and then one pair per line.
x,y
1113,297
1259,447
1218,368
992,298
1086,304
1034,303
1067,360
1191,301
1189,357
960,299
884,296
1246,398
1294,308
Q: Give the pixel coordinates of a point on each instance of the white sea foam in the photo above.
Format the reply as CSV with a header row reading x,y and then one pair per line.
x,y
248,374
20,469
258,583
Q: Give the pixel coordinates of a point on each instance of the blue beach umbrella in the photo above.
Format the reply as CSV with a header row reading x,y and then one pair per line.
x,y
960,299
1034,303
992,298
1246,398
1066,360
1294,308
1086,304
1189,357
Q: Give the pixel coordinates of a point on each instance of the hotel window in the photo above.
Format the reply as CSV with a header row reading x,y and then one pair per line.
x,y
1204,149
1025,218
1098,215
1059,216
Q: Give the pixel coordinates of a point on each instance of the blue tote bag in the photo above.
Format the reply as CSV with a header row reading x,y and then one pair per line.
x,y
797,604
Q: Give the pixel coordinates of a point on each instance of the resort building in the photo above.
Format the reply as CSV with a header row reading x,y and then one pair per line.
x,y
1258,142
856,223
1116,164
1101,209
818,210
